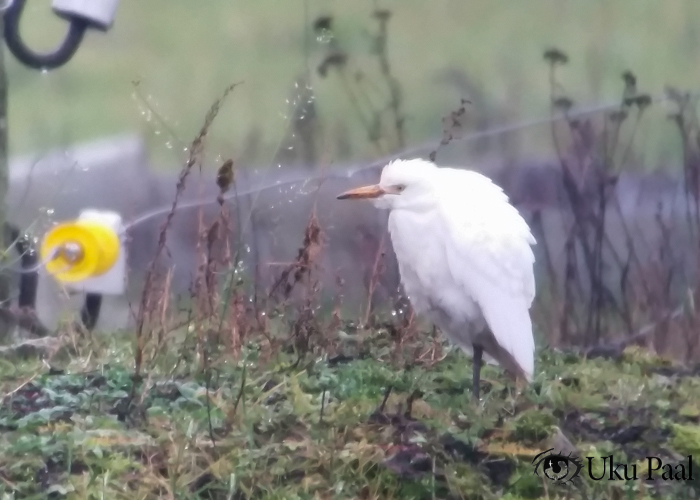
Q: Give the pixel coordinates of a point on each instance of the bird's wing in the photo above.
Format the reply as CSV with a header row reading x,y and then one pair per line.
x,y
488,252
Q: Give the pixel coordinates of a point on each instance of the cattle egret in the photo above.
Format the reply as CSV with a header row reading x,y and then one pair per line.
x,y
465,259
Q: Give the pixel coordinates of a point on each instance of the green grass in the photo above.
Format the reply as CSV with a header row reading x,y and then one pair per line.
x,y
285,430
184,55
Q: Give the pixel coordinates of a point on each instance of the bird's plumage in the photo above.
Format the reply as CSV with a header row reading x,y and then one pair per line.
x,y
491,258
465,258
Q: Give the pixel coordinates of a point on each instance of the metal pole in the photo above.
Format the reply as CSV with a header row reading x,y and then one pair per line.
x,y
5,279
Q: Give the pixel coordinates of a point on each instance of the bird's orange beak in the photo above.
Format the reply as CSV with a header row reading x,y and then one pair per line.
x,y
364,192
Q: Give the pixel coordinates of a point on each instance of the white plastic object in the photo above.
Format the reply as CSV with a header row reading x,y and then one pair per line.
x,y
99,13
112,282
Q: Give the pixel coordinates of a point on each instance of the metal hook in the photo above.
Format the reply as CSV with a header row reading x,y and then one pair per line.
x,y
28,57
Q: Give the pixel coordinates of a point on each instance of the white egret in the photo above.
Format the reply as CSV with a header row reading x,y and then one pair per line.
x,y
465,259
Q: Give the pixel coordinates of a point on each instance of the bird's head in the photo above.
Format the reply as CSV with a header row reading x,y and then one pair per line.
x,y
404,184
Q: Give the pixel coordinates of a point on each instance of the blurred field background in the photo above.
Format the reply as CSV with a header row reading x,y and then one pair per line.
x,y
184,53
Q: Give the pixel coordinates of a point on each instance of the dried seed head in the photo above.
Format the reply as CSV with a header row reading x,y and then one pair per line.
x,y
555,56
334,59
643,101
382,14
629,78
224,176
618,116
323,23
563,103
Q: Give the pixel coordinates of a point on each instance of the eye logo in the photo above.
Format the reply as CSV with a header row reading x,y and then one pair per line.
x,y
557,467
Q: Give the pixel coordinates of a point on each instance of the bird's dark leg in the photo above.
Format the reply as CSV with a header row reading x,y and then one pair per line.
x,y
478,352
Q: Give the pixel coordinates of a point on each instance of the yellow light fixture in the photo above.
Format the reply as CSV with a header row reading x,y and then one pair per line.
x,y
81,249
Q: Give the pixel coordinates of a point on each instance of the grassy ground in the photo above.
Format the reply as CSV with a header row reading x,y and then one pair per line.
x,y
274,428
184,55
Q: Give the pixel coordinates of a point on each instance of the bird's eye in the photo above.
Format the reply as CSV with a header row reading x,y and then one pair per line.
x,y
400,187
557,467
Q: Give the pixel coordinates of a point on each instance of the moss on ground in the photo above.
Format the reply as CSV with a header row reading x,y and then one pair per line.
x,y
318,429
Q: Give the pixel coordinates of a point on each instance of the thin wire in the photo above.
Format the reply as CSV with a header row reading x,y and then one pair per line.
x,y
347,173
417,150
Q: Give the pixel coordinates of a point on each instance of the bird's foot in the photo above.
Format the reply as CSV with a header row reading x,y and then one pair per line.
x,y
485,389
